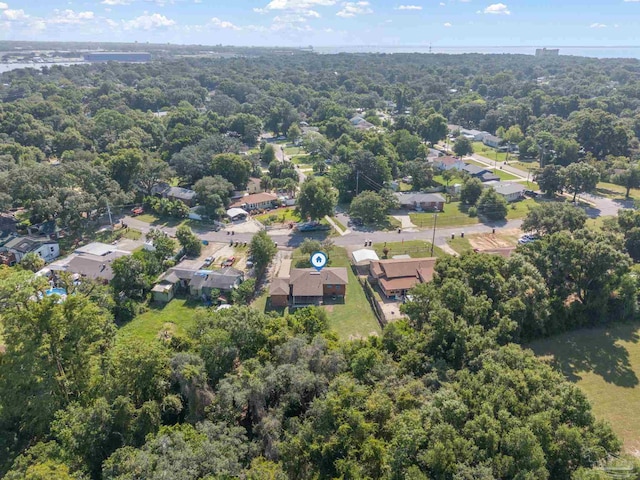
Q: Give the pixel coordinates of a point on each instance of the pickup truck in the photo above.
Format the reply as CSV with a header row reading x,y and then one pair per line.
x,y
137,211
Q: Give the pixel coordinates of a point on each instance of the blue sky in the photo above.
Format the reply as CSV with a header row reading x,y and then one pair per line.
x,y
326,22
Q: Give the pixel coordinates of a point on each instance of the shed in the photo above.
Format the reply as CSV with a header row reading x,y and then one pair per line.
x,y
279,292
237,213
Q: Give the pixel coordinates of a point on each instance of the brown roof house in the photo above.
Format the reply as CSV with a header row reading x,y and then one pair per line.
x,y
255,202
279,292
397,276
308,286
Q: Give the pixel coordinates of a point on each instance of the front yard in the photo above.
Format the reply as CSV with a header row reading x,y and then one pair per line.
x,y
481,149
455,215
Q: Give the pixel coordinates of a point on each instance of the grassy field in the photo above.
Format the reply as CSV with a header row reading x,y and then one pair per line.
x,y
174,317
339,223
605,364
599,223
529,185
294,151
520,209
460,245
301,160
413,248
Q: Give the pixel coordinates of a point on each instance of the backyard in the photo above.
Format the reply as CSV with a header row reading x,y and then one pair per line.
x,y
173,318
605,364
351,319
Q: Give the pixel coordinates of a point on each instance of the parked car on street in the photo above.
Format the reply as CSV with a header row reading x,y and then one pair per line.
x,y
137,211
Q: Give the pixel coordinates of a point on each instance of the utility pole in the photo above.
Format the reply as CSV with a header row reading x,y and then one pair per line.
x,y
433,239
109,212
357,181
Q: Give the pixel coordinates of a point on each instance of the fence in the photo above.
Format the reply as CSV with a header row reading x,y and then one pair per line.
x,y
375,306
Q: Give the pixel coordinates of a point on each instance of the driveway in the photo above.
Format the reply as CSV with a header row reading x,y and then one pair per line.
x,y
405,222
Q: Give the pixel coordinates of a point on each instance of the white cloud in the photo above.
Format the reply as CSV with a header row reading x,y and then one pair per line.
x,y
15,15
70,17
408,7
351,9
497,9
216,22
630,1
116,2
162,3
447,24
149,22
442,4
3,6
297,4
597,25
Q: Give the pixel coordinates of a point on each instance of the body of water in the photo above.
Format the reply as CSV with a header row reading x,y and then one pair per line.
x,y
6,67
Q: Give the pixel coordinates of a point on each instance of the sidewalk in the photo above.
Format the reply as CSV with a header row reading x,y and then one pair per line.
x,y
341,232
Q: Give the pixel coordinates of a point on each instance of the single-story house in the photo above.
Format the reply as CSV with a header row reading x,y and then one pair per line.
x,y
204,281
89,261
256,201
308,286
237,214
360,123
396,277
279,292
448,163
421,201
492,141
198,283
185,195
480,173
254,185
472,134
511,191
48,249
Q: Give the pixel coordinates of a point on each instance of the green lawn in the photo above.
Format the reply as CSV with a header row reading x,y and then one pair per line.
x,y
490,153
529,185
280,215
413,248
529,165
301,160
502,175
110,236
460,245
599,223
294,151
174,317
339,223
352,319
611,190
605,364
158,221
454,215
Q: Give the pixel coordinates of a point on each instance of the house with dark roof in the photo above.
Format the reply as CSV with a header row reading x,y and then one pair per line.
x,y
184,195
421,201
480,173
279,292
197,283
7,223
307,286
47,249
396,277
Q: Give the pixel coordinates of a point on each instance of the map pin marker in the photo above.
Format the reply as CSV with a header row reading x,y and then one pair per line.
x,y
318,260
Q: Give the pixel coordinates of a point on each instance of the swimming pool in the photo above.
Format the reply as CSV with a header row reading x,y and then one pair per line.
x,y
56,291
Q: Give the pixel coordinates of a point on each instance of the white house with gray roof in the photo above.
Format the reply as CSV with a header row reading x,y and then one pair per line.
x,y
511,191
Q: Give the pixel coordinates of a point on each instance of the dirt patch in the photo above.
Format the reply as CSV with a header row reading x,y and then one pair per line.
x,y
502,239
210,250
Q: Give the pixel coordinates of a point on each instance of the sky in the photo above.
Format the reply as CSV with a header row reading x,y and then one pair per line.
x,y
326,22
